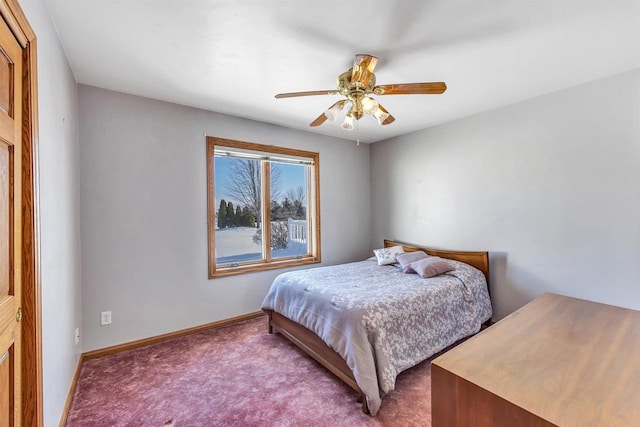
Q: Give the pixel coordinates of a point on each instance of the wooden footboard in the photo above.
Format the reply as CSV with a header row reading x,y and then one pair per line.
x,y
311,344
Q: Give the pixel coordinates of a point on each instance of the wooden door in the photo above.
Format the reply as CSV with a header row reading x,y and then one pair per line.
x,y
10,227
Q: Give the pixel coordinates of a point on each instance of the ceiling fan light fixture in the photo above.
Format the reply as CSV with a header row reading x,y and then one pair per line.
x,y
369,105
380,115
348,123
333,112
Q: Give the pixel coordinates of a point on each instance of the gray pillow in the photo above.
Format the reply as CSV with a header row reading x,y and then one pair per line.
x,y
406,258
432,266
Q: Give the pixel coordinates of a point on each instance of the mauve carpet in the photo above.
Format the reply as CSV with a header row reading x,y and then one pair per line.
x,y
238,375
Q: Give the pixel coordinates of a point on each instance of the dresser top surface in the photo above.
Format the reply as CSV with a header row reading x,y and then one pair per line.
x,y
566,360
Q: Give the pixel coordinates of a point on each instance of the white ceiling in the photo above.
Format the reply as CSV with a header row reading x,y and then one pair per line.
x,y
234,56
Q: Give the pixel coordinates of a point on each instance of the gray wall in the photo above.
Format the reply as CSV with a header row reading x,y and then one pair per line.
x,y
549,186
144,214
59,212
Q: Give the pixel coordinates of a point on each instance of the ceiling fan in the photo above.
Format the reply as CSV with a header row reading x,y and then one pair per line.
x,y
357,84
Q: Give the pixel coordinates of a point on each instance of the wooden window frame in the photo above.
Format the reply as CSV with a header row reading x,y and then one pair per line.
x,y
313,209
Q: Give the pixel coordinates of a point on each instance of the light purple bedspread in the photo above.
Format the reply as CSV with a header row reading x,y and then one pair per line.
x,y
378,316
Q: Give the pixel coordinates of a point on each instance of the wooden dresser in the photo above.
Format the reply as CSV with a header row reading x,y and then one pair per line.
x,y
557,361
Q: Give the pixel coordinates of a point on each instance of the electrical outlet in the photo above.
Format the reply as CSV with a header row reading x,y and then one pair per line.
x,y
105,318
77,335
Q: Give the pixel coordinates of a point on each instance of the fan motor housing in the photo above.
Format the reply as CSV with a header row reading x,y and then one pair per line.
x,y
355,91
347,87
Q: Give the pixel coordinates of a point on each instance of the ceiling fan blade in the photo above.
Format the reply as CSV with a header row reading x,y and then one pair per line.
x,y
318,121
363,66
308,93
432,88
389,119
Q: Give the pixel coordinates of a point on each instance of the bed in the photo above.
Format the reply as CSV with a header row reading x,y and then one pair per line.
x,y
367,323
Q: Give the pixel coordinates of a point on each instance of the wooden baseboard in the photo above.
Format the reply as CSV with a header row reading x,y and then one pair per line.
x,y
165,337
72,390
142,343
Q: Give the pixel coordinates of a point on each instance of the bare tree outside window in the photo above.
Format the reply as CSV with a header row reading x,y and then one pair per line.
x,y
297,194
244,186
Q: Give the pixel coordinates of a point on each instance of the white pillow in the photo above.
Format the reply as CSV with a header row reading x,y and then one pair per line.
x,y
386,256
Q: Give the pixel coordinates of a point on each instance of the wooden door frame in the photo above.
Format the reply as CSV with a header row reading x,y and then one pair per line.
x,y
32,401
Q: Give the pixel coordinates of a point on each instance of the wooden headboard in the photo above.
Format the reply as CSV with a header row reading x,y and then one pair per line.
x,y
477,259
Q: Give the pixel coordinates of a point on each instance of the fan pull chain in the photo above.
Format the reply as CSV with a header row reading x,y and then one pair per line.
x,y
357,134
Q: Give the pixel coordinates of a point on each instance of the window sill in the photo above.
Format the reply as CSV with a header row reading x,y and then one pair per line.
x,y
252,268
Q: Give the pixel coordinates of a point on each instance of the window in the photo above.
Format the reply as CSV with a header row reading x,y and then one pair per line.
x,y
263,203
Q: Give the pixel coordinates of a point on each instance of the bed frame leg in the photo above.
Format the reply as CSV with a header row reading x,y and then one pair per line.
x,y
365,408
269,322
